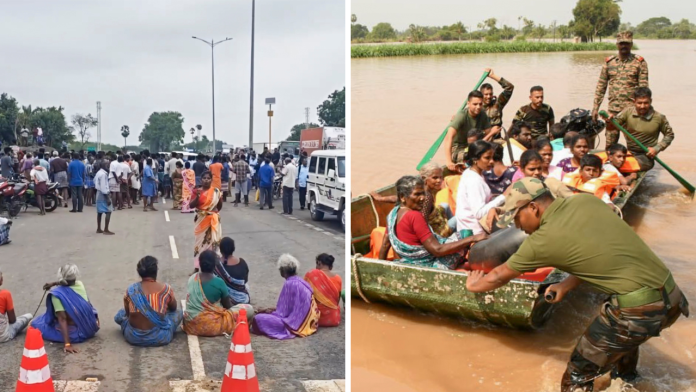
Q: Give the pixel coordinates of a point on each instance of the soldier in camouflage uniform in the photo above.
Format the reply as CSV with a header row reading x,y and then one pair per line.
x,y
494,106
537,114
621,74
581,236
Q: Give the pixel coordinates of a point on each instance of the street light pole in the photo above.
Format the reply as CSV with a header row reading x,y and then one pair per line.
x,y
212,44
251,94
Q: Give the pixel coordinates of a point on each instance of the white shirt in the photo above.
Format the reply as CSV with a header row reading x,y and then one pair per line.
x,y
289,175
101,182
473,201
125,170
39,175
116,168
170,166
609,167
559,155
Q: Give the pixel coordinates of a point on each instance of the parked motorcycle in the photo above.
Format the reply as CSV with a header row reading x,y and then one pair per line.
x,y
18,194
277,187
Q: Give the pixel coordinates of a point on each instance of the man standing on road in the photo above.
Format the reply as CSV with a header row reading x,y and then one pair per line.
x,y
198,168
582,237
493,106
645,124
104,203
621,74
59,169
115,176
472,117
537,114
6,163
302,181
126,175
266,176
76,178
289,172
241,171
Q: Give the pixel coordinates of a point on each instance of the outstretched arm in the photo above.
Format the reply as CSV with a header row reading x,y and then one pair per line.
x,y
479,282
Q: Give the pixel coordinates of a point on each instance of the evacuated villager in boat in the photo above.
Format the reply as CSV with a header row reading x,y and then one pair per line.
x,y
10,324
412,238
326,286
643,296
565,152
616,161
519,141
234,271
474,200
70,317
208,230
150,316
296,314
500,176
579,146
209,308
530,165
545,149
590,178
645,124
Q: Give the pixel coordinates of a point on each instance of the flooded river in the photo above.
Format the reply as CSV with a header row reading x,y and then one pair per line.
x,y
400,106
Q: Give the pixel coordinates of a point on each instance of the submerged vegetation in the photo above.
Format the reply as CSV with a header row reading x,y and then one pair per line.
x,y
390,50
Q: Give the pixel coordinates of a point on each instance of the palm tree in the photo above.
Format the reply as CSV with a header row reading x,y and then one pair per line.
x,y
353,18
459,29
125,131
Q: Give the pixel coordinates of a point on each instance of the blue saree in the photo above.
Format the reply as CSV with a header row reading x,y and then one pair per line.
x,y
81,312
164,324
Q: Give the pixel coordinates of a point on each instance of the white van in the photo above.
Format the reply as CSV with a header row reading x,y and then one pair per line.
x,y
326,184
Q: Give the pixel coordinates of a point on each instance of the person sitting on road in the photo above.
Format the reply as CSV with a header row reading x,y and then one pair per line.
x,y
326,286
545,149
70,317
10,324
5,225
234,271
149,316
412,238
296,314
500,176
592,179
565,152
209,307
616,156
530,165
579,146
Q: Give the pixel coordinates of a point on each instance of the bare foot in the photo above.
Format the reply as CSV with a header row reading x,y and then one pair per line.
x,y
99,231
153,208
107,232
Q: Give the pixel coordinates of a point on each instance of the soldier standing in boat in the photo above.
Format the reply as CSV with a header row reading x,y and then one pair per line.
x,y
537,114
621,74
494,106
471,117
581,236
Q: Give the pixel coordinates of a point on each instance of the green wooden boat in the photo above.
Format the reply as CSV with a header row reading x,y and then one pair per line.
x,y
519,304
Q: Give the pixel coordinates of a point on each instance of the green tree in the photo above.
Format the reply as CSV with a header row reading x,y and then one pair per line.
x,y
125,132
416,33
162,130
9,112
458,29
683,29
383,31
332,113
564,31
296,131
353,18
52,122
507,32
358,31
649,28
540,31
596,18
528,26
82,124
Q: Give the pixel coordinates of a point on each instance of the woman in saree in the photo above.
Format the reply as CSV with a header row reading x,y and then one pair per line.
x,y
70,317
187,187
177,184
149,316
209,308
234,271
326,286
149,186
208,230
413,239
296,314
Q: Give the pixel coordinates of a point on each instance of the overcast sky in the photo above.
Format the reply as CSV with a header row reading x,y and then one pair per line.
x,y
401,13
138,57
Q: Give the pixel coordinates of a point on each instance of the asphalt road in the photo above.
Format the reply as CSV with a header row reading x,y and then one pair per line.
x,y
40,245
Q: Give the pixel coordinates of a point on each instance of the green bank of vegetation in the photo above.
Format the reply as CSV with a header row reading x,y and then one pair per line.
x,y
389,50
592,21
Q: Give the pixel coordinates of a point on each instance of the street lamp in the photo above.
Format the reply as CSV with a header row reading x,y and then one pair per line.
x,y
251,93
212,44
269,102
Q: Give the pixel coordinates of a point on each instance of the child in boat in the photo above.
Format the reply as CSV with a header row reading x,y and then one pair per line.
x,y
530,165
565,152
616,157
590,178
557,131
579,146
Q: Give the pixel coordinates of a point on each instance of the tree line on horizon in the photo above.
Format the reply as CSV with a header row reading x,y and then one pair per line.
x,y
592,20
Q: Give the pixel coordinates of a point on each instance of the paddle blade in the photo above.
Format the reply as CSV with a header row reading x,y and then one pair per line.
x,y
433,150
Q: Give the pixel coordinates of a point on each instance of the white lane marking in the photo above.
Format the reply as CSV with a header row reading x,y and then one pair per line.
x,y
324,385
166,215
327,233
175,253
194,386
318,229
76,386
339,238
195,352
308,225
292,217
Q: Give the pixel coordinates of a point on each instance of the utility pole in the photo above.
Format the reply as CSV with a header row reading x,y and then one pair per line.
x,y
98,125
251,93
306,113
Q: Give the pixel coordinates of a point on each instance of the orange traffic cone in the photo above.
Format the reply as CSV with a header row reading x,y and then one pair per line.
x,y
34,373
240,372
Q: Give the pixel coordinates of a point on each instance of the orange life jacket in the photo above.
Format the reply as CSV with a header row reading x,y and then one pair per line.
x,y
448,194
631,165
605,183
376,238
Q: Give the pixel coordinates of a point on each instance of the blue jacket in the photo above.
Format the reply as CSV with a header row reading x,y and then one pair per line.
x,y
76,173
266,175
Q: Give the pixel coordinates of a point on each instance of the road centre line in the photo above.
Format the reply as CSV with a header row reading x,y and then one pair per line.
x,y
166,215
175,253
195,352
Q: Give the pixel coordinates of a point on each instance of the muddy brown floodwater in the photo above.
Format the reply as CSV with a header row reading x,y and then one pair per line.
x,y
404,103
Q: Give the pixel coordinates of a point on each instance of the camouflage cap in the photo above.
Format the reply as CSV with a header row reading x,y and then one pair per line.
x,y
624,36
518,195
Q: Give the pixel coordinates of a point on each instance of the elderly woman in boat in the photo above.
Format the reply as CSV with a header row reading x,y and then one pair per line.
x,y
150,316
413,239
296,314
70,317
209,307
327,290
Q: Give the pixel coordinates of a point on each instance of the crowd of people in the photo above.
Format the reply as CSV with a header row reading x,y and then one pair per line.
x,y
544,179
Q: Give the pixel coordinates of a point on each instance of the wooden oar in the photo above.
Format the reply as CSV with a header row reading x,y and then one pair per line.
x,y
676,175
436,146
